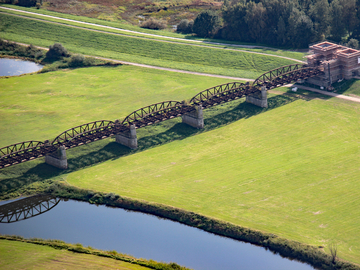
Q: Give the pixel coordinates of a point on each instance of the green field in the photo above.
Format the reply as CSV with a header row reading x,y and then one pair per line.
x,y
20,255
39,107
291,170
162,35
141,32
126,48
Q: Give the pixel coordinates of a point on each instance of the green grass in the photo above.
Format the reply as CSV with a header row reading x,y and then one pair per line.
x,y
291,170
193,58
41,106
274,51
20,255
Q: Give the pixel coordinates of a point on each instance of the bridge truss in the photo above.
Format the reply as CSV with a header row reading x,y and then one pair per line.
x,y
155,113
27,208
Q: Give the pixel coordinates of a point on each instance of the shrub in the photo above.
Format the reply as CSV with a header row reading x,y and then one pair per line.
x,y
206,23
77,60
56,52
185,26
27,3
153,24
353,43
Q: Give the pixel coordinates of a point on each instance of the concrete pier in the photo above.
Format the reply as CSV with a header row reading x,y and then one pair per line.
x,y
258,100
128,138
194,118
57,159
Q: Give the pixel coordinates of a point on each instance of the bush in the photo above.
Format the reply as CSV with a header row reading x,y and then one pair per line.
x,y
185,26
353,43
56,52
77,60
206,23
27,3
153,24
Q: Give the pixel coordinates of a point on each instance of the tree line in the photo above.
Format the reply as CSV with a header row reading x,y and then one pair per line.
x,y
286,23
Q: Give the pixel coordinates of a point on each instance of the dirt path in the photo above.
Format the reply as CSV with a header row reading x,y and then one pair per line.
x,y
129,31
155,67
354,99
331,94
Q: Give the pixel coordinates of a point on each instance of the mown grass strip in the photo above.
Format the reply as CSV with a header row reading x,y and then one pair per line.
x,y
142,51
281,53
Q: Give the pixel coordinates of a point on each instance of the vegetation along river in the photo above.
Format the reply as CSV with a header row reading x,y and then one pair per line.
x,y
144,236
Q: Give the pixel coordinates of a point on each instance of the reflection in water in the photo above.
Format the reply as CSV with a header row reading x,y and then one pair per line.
x,y
146,236
27,208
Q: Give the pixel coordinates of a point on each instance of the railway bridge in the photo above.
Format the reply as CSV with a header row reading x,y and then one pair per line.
x,y
125,130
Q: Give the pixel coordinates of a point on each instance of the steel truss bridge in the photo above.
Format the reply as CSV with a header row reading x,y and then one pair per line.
x,y
90,132
27,208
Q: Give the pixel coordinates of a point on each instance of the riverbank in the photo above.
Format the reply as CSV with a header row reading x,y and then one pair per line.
x,y
289,249
49,256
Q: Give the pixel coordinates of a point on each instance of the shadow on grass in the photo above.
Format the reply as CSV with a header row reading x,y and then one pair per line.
x,y
21,176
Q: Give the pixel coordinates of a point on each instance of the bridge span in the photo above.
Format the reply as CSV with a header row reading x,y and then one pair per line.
x,y
125,130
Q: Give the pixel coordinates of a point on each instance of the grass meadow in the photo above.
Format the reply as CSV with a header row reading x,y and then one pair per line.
x,y
291,169
161,35
20,255
126,48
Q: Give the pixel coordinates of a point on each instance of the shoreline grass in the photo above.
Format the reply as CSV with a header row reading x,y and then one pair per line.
x,y
57,254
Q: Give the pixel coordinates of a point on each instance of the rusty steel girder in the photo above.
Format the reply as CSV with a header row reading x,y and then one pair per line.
x,y
207,94
230,94
27,208
21,152
285,75
85,133
156,113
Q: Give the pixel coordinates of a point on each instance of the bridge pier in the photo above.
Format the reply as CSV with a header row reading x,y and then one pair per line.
x,y
258,100
58,158
194,118
128,138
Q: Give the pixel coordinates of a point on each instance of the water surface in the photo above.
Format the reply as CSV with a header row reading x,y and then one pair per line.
x,y
146,236
12,67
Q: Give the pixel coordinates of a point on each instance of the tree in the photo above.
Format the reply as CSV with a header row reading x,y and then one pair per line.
x,y
27,3
353,43
185,26
206,23
337,23
56,52
319,13
256,18
281,32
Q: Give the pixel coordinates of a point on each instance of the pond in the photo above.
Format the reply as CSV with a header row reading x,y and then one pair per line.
x,y
12,67
137,234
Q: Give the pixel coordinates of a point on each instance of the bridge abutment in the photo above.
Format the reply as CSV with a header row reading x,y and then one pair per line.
x,y
128,138
58,158
194,118
260,99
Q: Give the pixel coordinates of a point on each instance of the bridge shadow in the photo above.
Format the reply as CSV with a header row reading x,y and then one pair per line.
x,y
19,178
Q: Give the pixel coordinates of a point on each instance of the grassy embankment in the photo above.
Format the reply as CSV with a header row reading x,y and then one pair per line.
x,y
20,253
179,56
142,32
291,170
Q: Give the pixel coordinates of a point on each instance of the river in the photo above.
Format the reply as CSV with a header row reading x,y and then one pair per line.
x,y
145,236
